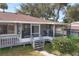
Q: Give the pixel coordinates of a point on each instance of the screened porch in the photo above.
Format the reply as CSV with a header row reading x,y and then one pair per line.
x,y
22,33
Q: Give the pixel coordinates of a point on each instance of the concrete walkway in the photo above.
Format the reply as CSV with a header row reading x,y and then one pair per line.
x,y
45,53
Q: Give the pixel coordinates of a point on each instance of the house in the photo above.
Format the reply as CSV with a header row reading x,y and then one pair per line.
x,y
74,28
19,29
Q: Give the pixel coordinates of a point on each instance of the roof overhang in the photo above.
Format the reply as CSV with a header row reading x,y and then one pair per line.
x,y
31,22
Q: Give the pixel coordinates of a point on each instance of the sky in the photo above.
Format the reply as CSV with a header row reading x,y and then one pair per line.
x,y
12,7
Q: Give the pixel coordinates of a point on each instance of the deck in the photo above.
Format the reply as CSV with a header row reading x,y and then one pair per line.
x,y
14,40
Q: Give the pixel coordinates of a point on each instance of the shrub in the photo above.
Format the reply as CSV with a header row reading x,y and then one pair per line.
x,y
48,47
74,38
64,45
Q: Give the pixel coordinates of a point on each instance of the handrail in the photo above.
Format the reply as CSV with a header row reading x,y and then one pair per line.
x,y
2,35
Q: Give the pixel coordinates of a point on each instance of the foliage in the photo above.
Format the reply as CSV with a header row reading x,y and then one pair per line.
x,y
3,6
59,7
48,47
72,13
36,9
66,20
64,45
43,10
74,38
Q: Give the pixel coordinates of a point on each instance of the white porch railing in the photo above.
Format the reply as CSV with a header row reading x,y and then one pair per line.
x,y
8,40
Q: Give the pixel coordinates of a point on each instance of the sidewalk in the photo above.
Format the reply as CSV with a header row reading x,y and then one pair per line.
x,y
45,53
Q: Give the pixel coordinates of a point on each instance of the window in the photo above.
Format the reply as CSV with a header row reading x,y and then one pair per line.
x,y
7,29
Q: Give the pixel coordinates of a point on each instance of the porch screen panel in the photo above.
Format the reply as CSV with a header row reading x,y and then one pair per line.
x,y
7,29
3,29
46,30
35,31
10,29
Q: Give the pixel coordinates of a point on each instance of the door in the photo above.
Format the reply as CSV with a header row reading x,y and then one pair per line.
x,y
26,31
35,30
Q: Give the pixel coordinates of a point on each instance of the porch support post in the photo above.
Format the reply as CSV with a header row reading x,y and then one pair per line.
x,y
20,31
39,30
15,28
31,32
54,31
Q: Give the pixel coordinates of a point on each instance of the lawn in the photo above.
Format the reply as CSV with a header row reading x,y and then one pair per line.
x,y
19,51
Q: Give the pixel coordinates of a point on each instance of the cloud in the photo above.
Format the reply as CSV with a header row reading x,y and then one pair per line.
x,y
1,10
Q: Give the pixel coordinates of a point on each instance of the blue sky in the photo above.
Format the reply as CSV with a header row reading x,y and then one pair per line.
x,y
12,7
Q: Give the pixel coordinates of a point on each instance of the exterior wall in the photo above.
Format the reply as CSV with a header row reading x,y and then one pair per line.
x,y
74,29
74,32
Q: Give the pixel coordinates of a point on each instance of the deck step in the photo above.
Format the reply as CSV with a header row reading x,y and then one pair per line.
x,y
38,44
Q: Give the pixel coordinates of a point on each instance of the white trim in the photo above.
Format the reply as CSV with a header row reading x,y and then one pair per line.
x,y
53,31
26,22
15,28
7,34
39,30
36,38
31,30
20,31
32,22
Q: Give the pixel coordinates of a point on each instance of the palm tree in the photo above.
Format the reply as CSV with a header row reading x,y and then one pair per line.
x,y
3,6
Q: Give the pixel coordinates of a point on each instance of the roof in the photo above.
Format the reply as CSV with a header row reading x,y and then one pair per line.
x,y
20,18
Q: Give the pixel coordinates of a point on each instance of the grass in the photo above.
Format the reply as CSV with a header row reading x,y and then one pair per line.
x,y
19,51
